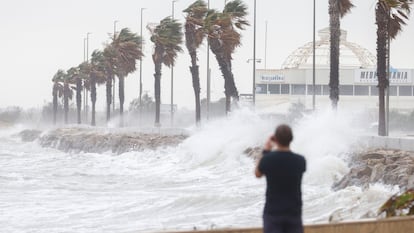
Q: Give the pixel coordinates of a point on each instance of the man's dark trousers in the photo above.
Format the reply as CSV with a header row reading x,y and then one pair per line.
x,y
282,224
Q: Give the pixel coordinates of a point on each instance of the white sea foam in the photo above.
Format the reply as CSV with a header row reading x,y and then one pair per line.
x,y
206,182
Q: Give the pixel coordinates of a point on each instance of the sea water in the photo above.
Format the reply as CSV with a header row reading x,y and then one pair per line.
x,y
206,182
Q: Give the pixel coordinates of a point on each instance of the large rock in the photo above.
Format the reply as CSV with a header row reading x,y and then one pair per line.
x,y
389,167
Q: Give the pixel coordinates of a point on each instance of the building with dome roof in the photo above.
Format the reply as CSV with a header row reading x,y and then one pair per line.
x,y
357,74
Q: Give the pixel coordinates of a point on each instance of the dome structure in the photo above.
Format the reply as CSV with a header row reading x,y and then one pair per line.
x,y
351,54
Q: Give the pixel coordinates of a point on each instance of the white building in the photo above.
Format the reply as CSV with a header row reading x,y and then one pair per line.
x,y
358,81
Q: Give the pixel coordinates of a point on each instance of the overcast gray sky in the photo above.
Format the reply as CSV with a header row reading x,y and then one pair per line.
x,y
39,37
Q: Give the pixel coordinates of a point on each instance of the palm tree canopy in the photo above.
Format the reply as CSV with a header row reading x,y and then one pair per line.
x,y
73,74
196,13
398,11
167,37
237,11
98,66
57,82
109,54
58,77
126,50
219,26
84,72
68,80
222,26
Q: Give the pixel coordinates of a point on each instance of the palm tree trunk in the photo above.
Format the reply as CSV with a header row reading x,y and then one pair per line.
x,y
79,99
93,100
382,36
228,105
55,103
108,97
66,101
196,84
230,89
190,34
121,99
196,87
230,84
157,90
335,33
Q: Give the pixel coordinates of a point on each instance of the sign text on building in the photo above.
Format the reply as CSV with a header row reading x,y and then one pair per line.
x,y
402,76
274,78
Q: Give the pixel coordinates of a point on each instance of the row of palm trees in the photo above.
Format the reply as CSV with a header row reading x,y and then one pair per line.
x,y
390,16
118,58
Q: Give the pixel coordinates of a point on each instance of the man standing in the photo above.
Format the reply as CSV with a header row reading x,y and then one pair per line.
x,y
283,170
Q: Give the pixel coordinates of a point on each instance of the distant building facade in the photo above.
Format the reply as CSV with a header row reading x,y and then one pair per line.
x,y
358,79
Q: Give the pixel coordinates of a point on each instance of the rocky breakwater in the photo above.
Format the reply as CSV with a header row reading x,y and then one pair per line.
x,y
390,167
100,141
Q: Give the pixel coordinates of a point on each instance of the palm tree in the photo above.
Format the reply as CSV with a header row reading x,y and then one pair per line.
x,y
97,76
126,47
194,36
167,37
75,77
57,91
221,28
67,95
337,10
390,16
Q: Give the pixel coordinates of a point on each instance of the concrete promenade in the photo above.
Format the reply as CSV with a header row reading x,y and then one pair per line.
x,y
391,225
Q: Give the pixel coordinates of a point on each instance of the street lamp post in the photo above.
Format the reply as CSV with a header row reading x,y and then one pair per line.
x,y
208,72
254,55
140,69
114,80
87,46
255,60
313,55
87,60
265,56
84,49
84,89
172,73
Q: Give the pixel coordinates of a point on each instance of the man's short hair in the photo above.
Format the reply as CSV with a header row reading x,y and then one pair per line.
x,y
284,135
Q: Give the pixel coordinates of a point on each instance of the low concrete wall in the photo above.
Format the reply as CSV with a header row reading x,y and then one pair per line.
x,y
393,143
392,225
